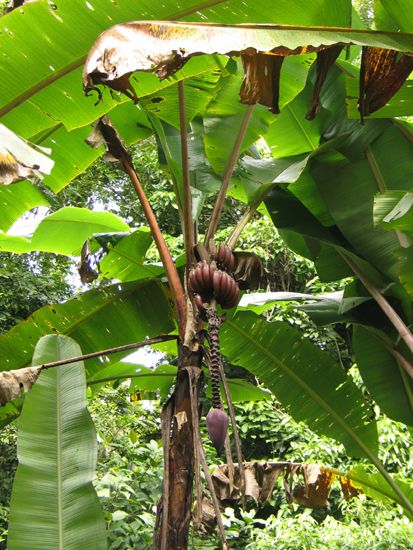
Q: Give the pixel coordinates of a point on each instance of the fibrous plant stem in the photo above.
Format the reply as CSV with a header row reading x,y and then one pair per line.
x,y
176,287
216,214
245,219
188,222
215,502
235,433
108,351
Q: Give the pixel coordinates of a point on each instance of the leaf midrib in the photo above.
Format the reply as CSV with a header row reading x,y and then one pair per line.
x,y
315,396
300,127
59,459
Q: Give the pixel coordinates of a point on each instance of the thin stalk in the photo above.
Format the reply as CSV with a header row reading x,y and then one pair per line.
x,y
175,284
213,224
166,419
188,222
235,432
239,228
245,219
403,362
390,313
108,351
215,502
230,463
405,131
196,439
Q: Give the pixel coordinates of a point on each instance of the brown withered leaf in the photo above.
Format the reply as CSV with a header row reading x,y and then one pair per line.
x,y
325,60
260,478
104,133
347,488
382,74
261,82
86,272
164,47
307,484
19,160
249,272
208,517
15,382
313,493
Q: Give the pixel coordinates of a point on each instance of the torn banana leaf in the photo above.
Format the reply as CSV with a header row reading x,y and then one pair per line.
x,y
164,47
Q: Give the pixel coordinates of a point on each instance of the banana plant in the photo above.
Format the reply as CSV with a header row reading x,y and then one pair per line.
x,y
181,82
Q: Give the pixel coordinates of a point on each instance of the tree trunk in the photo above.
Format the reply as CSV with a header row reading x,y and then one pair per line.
x,y
174,510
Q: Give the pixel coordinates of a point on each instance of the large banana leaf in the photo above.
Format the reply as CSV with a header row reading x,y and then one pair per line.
x,y
386,163
111,316
54,504
386,380
52,83
304,379
75,24
47,92
65,231
400,13
375,486
125,261
162,378
17,199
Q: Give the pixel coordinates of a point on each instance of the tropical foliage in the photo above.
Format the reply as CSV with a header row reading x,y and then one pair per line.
x,y
338,191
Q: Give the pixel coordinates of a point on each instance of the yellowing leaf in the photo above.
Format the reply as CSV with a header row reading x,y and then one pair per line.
x,y
18,160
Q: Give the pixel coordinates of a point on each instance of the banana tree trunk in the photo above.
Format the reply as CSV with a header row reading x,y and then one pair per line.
x,y
174,510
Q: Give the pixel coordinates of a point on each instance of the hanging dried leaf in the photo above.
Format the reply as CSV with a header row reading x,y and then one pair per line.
x,y
382,74
86,272
164,47
15,382
261,82
347,488
313,493
104,133
260,478
307,484
249,272
18,160
325,60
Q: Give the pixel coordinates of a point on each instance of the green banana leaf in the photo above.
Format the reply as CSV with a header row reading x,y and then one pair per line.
x,y
64,231
54,504
375,486
162,378
386,163
388,383
17,199
125,261
400,13
98,319
393,210
305,380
